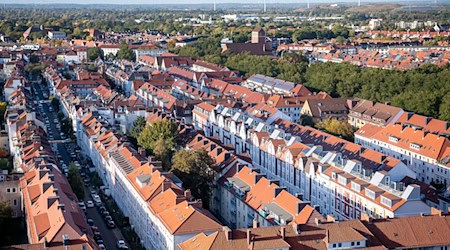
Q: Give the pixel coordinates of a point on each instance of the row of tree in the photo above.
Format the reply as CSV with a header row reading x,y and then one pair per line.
x,y
424,90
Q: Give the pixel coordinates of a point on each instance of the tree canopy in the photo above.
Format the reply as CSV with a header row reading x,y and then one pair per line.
x,y
195,169
339,128
125,52
94,53
160,138
75,181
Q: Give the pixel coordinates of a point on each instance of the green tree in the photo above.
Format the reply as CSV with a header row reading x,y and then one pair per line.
x,y
94,53
125,52
4,164
75,181
138,126
444,108
2,112
339,128
159,137
195,169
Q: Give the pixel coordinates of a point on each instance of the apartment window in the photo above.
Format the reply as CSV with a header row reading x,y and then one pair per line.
x,y
334,245
370,193
340,245
358,243
15,202
8,190
353,243
14,190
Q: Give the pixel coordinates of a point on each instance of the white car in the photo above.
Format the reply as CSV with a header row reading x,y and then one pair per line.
x,y
101,246
89,204
82,205
121,244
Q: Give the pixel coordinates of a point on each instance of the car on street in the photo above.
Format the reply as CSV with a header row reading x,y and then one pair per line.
x,y
102,247
82,205
90,204
90,222
97,235
108,218
111,224
121,244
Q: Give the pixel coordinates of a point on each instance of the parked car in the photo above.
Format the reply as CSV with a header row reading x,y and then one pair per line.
x,y
90,204
111,224
97,236
102,247
82,205
108,218
90,222
121,244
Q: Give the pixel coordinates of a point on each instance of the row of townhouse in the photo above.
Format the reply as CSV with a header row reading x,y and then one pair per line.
x,y
422,142
416,232
53,218
161,212
328,171
118,110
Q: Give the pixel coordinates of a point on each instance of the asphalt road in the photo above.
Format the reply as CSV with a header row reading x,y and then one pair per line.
x,y
110,236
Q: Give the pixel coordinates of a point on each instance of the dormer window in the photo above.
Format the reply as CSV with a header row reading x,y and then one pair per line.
x,y
385,201
370,193
393,139
356,187
414,146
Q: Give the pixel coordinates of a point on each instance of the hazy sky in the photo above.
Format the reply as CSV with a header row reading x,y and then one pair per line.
x,y
190,1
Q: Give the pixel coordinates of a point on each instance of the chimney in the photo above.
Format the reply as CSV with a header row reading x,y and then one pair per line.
x,y
197,203
165,185
141,152
188,195
66,240
299,196
283,232
317,221
228,233
277,191
249,236
301,205
296,227
255,223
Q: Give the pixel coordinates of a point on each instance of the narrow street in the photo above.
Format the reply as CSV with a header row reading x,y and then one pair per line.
x,y
66,154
